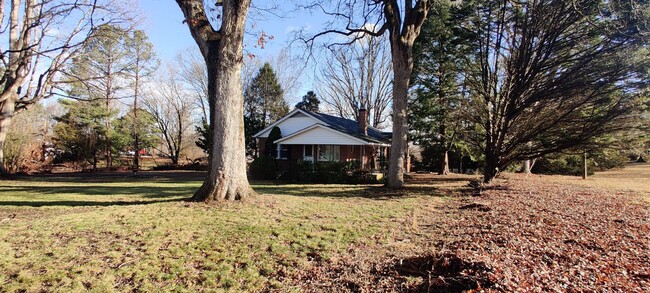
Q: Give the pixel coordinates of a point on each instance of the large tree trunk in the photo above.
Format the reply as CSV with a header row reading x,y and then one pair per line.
x,y
402,68
7,108
222,50
227,173
492,166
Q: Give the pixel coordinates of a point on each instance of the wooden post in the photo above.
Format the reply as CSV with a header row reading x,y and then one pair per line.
x,y
584,160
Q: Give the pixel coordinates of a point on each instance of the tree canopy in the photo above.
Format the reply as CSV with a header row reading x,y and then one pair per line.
x,y
551,75
310,102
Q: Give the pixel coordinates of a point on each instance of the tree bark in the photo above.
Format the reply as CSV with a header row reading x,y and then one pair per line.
x,y
223,53
444,164
402,71
444,168
492,166
227,173
7,108
136,124
527,167
402,34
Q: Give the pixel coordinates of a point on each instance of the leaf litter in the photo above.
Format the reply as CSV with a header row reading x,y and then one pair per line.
x,y
527,234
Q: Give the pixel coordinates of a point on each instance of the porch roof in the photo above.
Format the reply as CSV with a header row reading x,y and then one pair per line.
x,y
326,135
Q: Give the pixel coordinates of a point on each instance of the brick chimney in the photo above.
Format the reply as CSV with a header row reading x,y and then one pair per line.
x,y
363,120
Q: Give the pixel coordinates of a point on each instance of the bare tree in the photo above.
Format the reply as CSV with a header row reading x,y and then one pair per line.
x,y
144,63
359,75
221,44
289,75
403,21
168,106
41,37
193,72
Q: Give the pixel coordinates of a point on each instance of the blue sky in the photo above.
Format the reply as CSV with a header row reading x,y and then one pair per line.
x,y
163,23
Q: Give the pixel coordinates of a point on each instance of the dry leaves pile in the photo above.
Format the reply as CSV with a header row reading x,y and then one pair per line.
x,y
543,236
524,234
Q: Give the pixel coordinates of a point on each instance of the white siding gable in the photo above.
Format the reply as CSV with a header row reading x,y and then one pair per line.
x,y
297,121
322,135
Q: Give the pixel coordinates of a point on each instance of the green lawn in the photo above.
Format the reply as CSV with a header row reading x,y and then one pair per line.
x,y
68,233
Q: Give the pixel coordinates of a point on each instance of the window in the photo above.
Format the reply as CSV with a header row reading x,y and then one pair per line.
x,y
309,153
285,152
329,153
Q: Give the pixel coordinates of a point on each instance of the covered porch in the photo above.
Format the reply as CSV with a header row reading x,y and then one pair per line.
x,y
323,144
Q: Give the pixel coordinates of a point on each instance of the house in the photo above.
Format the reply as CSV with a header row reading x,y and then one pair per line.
x,y
318,137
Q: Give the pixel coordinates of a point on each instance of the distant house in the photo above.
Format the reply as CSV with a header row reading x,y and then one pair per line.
x,y
318,137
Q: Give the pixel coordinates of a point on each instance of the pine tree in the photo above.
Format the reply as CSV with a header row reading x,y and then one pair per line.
x,y
98,73
310,102
264,97
81,132
439,56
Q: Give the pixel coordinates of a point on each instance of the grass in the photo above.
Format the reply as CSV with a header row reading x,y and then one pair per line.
x,y
125,234
634,179
112,232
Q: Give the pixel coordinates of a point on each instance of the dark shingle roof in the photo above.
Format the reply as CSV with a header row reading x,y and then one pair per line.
x,y
351,127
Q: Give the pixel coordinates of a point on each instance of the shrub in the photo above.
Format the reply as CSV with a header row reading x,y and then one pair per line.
x,y
263,168
331,173
562,165
610,159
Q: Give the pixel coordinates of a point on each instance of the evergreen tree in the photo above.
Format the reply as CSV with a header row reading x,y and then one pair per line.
x,y
309,102
124,138
439,56
553,75
203,139
271,148
264,97
81,132
251,126
100,72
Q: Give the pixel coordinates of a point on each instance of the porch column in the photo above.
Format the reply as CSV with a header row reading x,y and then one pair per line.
x,y
279,149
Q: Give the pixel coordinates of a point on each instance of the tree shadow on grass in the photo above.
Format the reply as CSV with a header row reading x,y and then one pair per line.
x,y
109,177
37,196
376,192
100,190
81,203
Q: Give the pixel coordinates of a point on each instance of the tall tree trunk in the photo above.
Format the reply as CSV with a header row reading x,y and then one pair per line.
x,y
222,50
109,157
136,123
227,173
444,163
402,72
7,108
492,165
527,167
444,166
